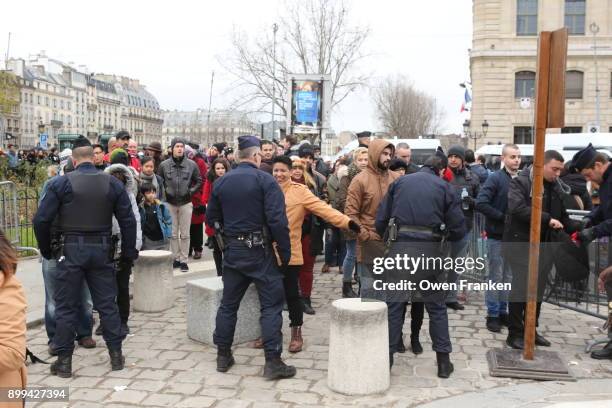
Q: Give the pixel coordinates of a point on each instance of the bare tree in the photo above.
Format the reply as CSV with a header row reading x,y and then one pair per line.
x,y
406,111
315,37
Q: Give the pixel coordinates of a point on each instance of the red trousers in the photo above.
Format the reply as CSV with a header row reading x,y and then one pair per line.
x,y
306,271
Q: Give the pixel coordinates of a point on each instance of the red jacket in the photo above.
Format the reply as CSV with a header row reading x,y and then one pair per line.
x,y
197,198
210,231
135,163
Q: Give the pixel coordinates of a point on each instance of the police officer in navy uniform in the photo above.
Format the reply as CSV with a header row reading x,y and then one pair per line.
x,y
250,208
424,211
85,201
596,167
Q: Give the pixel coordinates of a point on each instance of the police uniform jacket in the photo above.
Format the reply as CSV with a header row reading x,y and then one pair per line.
x,y
601,217
247,200
421,199
60,193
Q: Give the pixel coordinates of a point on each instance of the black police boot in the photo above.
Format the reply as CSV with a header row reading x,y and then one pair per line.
x,y
504,320
445,367
493,324
415,344
224,359
275,368
117,360
401,347
603,354
541,341
515,342
347,290
62,367
308,306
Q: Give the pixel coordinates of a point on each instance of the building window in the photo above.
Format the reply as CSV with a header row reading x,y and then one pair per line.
x,y
575,13
523,135
524,84
572,129
526,17
573,84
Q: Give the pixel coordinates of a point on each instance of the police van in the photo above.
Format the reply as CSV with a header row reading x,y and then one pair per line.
x,y
566,144
420,148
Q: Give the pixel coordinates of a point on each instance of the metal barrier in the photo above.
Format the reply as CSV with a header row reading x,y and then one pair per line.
x,y
17,208
582,296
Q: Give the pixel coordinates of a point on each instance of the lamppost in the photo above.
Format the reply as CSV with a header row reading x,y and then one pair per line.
x,y
274,30
594,28
475,135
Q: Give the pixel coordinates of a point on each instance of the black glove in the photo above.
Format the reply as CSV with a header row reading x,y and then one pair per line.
x,y
586,235
353,226
585,223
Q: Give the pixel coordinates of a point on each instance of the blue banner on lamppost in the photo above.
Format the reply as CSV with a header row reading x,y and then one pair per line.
x,y
43,139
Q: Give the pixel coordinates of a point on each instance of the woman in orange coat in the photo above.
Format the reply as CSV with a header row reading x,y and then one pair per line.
x,y
299,202
12,323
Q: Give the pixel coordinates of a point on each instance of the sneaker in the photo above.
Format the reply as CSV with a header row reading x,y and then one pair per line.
x,y
176,264
184,267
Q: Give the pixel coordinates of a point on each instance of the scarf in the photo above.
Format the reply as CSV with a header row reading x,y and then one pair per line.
x,y
152,179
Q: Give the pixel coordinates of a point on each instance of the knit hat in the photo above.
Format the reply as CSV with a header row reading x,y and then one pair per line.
x,y
457,150
189,152
119,156
177,140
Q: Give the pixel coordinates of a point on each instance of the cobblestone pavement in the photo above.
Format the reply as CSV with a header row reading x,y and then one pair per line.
x,y
165,368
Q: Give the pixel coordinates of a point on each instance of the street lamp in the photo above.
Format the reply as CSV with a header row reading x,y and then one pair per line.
x,y
274,30
475,135
594,28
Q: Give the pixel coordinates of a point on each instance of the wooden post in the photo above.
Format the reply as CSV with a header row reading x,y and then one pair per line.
x,y
550,111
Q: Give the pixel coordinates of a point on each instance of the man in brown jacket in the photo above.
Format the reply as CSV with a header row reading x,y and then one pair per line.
x,y
363,198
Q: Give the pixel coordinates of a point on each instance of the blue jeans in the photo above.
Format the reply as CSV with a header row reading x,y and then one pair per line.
x,y
85,318
499,272
458,249
335,250
348,266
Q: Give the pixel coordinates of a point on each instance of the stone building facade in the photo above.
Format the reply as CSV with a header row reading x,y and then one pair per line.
x,y
503,64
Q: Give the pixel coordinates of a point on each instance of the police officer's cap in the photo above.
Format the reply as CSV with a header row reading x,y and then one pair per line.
x,y
81,141
584,157
244,142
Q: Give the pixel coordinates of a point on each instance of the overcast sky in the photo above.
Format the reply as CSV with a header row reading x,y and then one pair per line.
x,y
172,47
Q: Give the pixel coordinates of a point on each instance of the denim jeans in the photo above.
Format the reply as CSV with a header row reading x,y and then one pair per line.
x,y
335,249
348,266
458,249
499,272
85,318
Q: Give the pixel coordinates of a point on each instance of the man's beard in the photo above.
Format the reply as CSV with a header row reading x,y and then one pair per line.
x,y
383,166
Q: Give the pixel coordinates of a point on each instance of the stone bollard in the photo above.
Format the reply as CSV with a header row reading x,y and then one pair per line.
x,y
358,347
203,300
153,281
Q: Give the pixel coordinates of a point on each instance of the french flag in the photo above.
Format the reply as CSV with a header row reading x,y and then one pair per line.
x,y
467,101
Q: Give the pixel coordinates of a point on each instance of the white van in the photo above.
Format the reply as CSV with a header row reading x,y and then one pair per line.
x,y
421,148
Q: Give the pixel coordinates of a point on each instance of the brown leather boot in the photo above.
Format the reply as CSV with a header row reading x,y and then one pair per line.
x,y
297,342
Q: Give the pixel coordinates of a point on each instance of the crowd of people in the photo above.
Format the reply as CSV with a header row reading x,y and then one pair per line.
x,y
269,209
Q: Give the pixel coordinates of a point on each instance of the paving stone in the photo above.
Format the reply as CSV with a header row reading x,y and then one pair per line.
x,y
128,396
257,394
172,355
154,374
162,400
196,402
233,403
89,394
182,388
147,385
299,397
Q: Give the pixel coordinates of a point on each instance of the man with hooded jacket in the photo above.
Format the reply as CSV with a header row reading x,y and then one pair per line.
x,y
364,195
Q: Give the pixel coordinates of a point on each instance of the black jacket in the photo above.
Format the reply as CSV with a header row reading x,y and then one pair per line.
x,y
519,209
492,201
464,178
601,217
181,180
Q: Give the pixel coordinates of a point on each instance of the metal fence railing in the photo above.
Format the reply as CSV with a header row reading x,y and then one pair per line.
x,y
583,296
17,209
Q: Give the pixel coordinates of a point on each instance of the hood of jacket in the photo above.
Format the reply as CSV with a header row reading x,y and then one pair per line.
x,y
131,185
374,150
